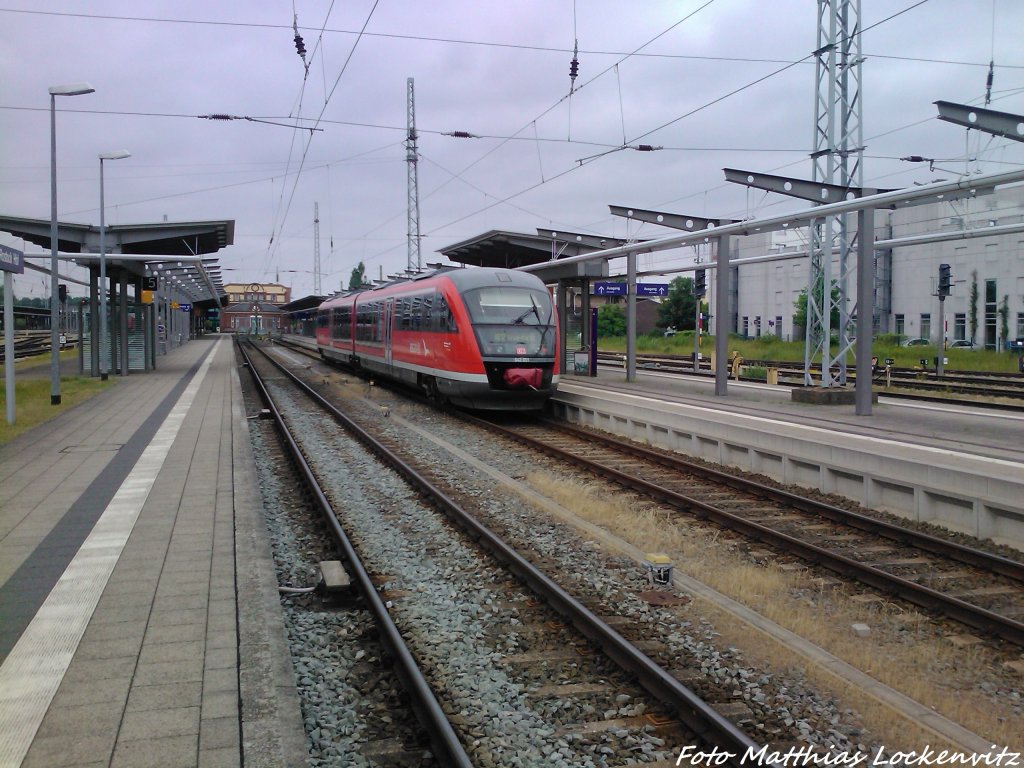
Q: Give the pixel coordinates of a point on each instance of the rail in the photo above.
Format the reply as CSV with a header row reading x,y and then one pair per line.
x,y
695,713
444,742
952,607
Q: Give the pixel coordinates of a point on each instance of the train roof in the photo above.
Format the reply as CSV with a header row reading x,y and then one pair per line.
x,y
463,278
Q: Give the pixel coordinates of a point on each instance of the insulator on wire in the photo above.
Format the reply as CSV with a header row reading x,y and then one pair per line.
x,y
646,148
574,66
300,46
461,135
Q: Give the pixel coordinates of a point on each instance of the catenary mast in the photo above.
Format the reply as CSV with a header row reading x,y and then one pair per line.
x,y
837,156
413,262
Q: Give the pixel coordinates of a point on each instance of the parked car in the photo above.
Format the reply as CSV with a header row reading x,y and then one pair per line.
x,y
962,344
915,343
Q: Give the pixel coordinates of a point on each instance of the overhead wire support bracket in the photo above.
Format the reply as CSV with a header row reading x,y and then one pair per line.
x,y
812,191
224,117
1003,124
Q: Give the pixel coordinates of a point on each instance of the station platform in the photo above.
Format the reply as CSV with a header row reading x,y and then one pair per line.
x,y
139,616
956,466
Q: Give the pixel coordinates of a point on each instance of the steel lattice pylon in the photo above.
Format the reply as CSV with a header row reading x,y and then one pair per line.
x,y
411,157
837,155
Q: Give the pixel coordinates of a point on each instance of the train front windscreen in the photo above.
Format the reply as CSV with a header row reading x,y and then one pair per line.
x,y
512,322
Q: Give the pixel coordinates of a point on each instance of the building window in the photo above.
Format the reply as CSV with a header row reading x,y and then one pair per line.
x,y
778,326
1020,325
746,327
990,314
926,325
900,325
959,326
757,326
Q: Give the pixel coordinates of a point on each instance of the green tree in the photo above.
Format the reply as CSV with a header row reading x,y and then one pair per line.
x,y
358,275
972,312
610,321
680,307
800,307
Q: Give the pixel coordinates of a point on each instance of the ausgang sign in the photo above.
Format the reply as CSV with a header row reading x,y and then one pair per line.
x,y
11,260
609,289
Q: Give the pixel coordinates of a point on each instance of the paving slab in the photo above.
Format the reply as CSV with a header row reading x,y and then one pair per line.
x,y
127,513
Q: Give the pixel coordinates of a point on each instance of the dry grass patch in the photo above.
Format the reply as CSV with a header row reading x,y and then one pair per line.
x,y
901,652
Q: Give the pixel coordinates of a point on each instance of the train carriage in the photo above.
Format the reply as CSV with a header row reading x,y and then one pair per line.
x,y
476,337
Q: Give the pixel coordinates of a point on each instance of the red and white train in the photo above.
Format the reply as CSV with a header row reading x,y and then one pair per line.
x,y
476,337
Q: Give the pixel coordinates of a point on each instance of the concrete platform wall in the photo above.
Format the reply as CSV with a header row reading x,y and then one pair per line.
x,y
975,495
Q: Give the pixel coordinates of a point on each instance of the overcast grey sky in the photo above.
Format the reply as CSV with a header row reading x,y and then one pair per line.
x,y
497,70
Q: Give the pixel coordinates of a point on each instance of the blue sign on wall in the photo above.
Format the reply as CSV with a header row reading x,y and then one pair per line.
x,y
652,289
609,289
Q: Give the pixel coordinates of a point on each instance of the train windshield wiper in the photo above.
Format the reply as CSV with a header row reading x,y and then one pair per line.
x,y
533,308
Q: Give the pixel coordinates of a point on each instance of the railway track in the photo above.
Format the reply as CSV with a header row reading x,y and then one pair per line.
x,y
32,344
978,589
445,745
562,658
910,382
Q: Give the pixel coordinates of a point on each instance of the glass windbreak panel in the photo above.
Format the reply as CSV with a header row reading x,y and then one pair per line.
x,y
512,322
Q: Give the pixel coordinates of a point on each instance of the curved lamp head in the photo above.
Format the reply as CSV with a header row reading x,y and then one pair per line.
x,y
117,154
74,89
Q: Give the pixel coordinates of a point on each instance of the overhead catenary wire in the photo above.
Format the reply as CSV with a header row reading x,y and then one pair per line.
x,y
323,109
479,43
559,101
690,113
536,138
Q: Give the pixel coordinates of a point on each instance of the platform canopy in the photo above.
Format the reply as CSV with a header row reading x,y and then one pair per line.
x,y
511,250
172,249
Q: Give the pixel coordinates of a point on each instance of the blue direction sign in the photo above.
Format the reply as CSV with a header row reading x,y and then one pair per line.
x,y
11,260
185,307
609,289
652,289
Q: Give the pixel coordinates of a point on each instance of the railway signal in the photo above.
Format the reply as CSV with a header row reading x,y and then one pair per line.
x,y
700,285
945,282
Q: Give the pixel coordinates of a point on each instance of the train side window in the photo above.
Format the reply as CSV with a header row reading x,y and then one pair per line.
x,y
378,321
364,320
427,314
444,322
342,323
415,308
402,314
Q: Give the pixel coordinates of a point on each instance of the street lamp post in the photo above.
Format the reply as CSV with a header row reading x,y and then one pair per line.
x,y
119,154
75,89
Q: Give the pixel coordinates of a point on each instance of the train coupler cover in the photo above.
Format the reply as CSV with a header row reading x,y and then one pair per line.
x,y
517,378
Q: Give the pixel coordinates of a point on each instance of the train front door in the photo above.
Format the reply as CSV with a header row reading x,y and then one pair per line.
x,y
389,305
